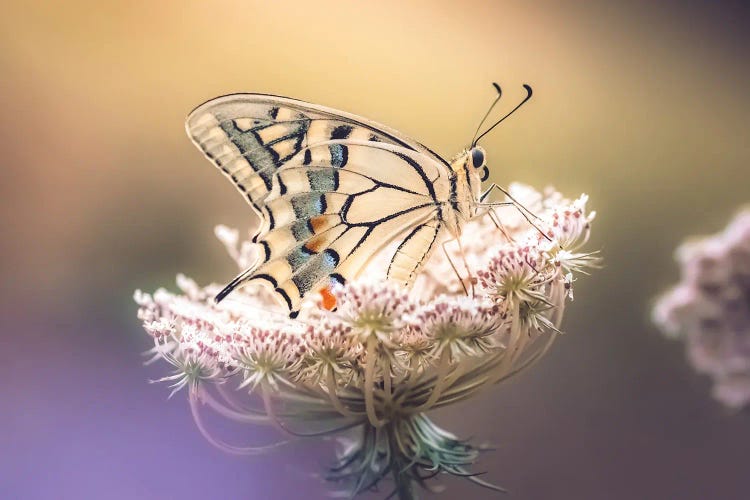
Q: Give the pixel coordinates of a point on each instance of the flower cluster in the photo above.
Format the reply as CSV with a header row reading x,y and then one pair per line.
x,y
710,309
480,312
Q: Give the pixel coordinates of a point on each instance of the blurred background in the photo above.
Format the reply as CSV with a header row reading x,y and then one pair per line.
x,y
642,106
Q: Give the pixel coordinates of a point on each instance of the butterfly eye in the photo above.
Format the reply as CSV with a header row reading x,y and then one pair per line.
x,y
477,157
485,174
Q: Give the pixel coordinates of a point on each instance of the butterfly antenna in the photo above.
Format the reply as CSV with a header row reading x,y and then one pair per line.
x,y
529,93
499,95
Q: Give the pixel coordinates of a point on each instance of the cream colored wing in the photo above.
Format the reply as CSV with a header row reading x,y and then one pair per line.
x,y
336,204
250,136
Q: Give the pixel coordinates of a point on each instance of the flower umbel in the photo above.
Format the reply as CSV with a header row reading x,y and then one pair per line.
x,y
385,355
710,309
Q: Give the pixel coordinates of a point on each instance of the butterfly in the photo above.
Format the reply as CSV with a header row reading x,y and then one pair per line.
x,y
333,189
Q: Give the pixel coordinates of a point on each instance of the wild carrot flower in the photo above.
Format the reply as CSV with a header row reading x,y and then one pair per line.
x,y
710,309
386,355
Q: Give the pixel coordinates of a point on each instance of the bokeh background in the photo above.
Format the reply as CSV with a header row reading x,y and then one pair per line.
x,y
642,105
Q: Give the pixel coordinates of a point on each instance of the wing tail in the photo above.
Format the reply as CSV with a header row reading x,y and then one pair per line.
x,y
240,280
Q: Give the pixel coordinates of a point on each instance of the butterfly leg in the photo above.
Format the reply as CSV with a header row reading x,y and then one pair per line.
x,y
496,221
525,212
453,264
472,279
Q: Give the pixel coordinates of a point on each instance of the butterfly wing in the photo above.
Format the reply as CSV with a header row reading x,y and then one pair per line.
x,y
250,136
328,217
332,189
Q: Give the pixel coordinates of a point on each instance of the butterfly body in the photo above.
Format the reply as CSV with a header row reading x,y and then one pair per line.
x,y
332,190
466,188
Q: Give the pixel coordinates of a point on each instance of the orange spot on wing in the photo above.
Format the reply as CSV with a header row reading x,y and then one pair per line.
x,y
329,301
318,223
316,244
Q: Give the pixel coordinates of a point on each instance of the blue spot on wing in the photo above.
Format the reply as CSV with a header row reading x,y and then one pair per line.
x,y
249,146
301,230
339,155
330,258
323,180
309,205
298,257
318,267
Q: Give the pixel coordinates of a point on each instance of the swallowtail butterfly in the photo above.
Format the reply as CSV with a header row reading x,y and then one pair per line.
x,y
333,189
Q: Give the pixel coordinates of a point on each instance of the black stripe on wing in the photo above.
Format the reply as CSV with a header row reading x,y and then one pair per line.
x,y
274,102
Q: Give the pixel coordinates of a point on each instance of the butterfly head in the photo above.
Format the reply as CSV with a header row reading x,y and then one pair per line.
x,y
479,162
469,171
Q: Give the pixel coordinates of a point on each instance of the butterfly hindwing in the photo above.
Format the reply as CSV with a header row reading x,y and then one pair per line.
x,y
334,256
413,251
326,220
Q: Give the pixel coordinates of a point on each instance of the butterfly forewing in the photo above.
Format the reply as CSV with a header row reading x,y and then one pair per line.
x,y
249,136
331,189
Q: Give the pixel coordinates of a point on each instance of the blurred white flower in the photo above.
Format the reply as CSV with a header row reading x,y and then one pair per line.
x,y
385,355
710,308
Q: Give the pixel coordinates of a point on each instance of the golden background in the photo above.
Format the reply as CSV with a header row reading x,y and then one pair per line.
x,y
643,107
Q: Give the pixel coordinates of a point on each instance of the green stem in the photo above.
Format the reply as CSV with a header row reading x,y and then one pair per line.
x,y
401,477
404,485
370,383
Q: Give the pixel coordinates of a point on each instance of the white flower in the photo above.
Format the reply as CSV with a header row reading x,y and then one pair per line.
x,y
567,230
710,308
192,353
460,327
480,312
267,355
515,274
733,390
328,351
373,309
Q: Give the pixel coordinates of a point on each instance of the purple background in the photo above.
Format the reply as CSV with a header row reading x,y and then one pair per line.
x,y
643,107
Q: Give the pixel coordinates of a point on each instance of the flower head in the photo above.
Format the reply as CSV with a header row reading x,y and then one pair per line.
x,y
515,274
710,308
373,309
328,352
458,327
267,355
567,230
479,313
